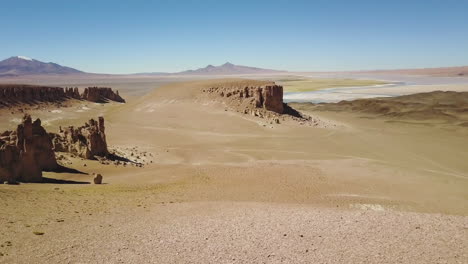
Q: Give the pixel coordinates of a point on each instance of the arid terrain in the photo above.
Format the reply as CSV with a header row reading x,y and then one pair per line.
x,y
238,132
214,180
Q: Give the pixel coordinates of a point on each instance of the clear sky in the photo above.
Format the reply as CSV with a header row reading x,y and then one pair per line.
x,y
150,36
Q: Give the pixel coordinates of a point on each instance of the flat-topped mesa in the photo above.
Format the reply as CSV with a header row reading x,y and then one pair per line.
x,y
269,97
26,152
99,94
86,141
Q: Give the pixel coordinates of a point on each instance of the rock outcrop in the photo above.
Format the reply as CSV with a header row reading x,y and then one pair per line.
x,y
268,97
97,179
99,94
29,150
26,152
11,94
86,141
30,94
72,93
271,98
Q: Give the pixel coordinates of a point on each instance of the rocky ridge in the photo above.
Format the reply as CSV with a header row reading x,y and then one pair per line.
x,y
12,94
261,100
98,94
268,97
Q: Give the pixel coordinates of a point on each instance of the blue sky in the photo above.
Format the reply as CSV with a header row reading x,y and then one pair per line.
x,y
142,36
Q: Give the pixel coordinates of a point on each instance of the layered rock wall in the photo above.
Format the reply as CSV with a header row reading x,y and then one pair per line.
x,y
29,150
268,97
26,152
18,93
86,141
30,94
97,94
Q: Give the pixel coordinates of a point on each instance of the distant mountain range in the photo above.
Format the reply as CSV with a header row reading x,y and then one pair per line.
x,y
227,69
20,65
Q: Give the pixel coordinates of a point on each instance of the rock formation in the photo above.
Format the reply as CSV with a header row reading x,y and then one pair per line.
x,y
86,141
29,150
72,93
97,179
99,94
260,99
269,97
30,94
26,152
11,94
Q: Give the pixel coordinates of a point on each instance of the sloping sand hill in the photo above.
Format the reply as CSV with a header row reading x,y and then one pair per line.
x,y
432,108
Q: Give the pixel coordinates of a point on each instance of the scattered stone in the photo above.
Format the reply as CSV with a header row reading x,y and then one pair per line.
x,y
37,233
98,179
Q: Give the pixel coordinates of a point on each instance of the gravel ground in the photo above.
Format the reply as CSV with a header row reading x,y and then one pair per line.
x,y
226,232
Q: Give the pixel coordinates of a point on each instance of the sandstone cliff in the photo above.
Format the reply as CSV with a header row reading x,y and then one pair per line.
x,y
268,97
260,99
99,94
11,94
86,141
26,152
29,150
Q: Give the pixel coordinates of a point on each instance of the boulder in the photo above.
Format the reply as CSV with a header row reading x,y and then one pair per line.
x,y
97,179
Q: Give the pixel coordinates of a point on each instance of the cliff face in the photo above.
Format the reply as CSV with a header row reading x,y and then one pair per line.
x,y
72,93
97,94
86,141
29,150
271,98
26,152
268,97
17,93
30,94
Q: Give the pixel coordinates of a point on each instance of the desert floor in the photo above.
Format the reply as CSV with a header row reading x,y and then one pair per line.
x,y
219,186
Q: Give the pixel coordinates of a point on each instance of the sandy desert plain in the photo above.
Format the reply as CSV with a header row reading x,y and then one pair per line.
x,y
369,182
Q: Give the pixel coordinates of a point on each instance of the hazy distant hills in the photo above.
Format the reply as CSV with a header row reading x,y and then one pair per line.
x,y
20,65
227,69
442,72
23,66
